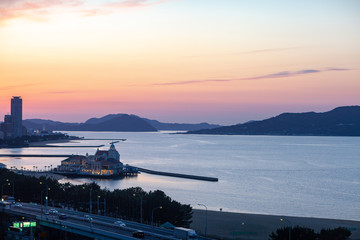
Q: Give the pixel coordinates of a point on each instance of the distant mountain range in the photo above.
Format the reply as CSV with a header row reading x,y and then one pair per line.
x,y
341,121
115,122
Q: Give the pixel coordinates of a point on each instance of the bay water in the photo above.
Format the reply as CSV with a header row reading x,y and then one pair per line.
x,y
280,175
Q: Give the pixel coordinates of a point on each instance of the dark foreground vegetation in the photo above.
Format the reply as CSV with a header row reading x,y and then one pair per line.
x,y
124,204
302,233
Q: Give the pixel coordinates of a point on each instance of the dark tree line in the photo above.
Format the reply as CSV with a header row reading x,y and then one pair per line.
x,y
302,233
124,204
24,141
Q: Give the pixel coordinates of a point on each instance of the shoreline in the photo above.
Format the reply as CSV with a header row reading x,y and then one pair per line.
x,y
43,174
232,225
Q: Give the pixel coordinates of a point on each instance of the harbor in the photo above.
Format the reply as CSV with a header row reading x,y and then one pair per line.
x,y
105,164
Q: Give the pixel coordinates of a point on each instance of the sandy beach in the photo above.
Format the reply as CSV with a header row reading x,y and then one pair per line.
x,y
228,225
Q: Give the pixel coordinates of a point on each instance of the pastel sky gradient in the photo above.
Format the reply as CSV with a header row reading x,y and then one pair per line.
x,y
220,61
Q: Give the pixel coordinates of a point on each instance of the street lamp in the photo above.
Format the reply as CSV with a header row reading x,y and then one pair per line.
x,y
104,206
47,196
141,207
282,220
206,218
98,205
152,214
90,202
2,191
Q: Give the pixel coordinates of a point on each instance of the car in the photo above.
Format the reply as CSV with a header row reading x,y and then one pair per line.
x,y
63,216
138,234
88,218
119,224
53,211
17,204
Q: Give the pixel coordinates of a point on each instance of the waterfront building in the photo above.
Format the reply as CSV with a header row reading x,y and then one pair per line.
x,y
16,115
103,163
7,127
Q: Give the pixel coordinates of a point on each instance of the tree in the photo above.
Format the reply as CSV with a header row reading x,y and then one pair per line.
x,y
339,233
297,233
125,203
302,233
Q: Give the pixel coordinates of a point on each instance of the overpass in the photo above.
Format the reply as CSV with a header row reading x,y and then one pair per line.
x,y
101,227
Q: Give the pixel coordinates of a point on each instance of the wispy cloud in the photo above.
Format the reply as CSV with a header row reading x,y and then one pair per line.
x,y
270,50
61,92
20,8
283,74
19,86
43,8
135,3
257,51
338,69
114,6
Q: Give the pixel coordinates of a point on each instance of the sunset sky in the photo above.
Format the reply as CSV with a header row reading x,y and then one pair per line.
x,y
219,61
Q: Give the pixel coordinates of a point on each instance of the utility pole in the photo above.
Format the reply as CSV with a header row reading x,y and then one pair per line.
x,y
47,196
104,206
90,203
13,189
98,205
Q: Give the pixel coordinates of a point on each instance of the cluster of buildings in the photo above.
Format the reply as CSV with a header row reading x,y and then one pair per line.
x,y
105,163
12,126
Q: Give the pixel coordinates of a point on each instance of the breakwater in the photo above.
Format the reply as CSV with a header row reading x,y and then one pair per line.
x,y
35,155
179,175
67,146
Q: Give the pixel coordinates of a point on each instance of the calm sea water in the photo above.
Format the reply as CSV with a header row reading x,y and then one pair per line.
x,y
280,175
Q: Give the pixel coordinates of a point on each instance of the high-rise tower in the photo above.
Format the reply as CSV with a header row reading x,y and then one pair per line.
x,y
16,116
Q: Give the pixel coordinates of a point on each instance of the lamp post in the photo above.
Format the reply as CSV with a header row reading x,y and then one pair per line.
x,y
2,191
98,205
13,189
141,207
152,214
104,206
47,196
206,218
90,202
282,220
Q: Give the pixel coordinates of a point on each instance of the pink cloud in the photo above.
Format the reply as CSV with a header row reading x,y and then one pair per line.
x,y
283,74
135,3
40,8
20,8
112,7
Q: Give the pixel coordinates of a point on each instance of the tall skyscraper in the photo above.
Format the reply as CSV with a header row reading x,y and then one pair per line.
x,y
16,115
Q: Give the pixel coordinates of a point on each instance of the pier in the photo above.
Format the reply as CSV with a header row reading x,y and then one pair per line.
x,y
36,155
67,146
106,139
179,175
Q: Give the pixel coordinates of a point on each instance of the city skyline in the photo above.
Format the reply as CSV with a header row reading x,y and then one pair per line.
x,y
222,62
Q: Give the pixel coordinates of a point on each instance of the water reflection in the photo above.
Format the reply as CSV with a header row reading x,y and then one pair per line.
x,y
303,176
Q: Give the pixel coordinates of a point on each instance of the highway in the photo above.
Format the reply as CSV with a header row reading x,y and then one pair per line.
x,y
98,224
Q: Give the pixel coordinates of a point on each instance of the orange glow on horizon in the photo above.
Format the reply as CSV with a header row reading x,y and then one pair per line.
x,y
73,60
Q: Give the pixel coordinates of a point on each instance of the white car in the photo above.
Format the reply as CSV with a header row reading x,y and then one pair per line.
x,y
119,224
53,211
17,204
88,218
